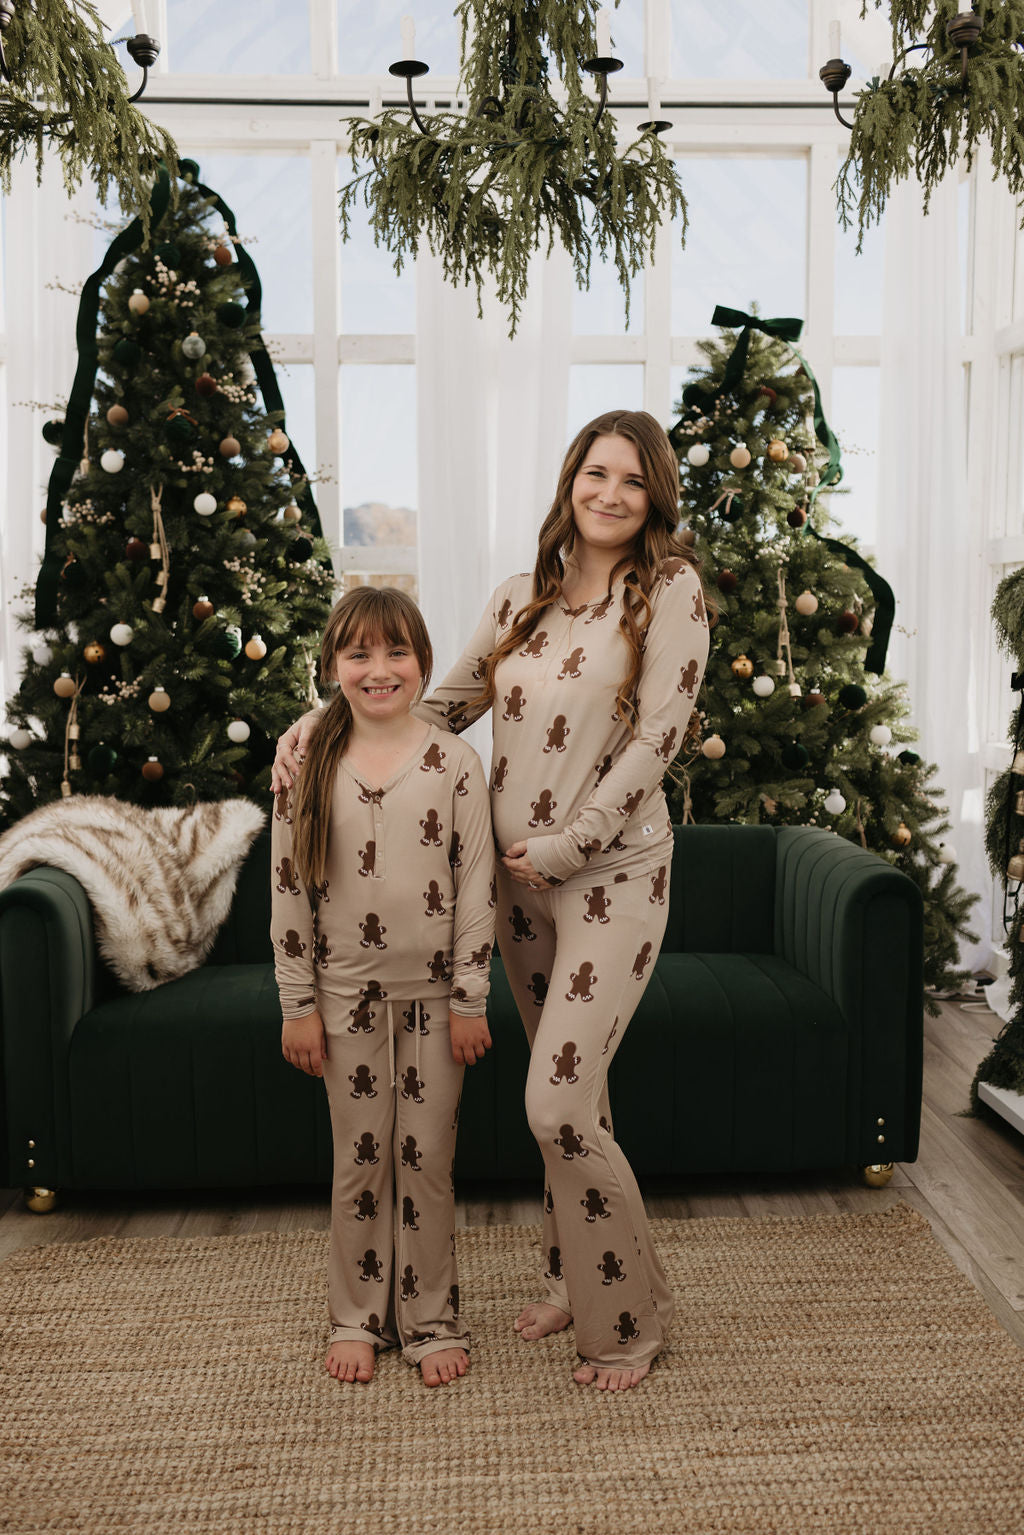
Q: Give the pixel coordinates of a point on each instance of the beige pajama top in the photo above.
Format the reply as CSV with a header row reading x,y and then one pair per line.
x,y
406,909
567,776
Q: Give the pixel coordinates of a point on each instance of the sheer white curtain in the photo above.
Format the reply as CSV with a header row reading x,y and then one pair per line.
x,y
491,427
927,547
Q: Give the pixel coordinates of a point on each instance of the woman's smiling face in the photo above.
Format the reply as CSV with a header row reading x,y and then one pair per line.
x,y
609,495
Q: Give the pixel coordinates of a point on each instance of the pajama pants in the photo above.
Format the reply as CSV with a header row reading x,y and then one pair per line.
x,y
578,961
394,1091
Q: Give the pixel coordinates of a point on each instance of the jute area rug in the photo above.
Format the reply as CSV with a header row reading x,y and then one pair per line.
x,y
825,1374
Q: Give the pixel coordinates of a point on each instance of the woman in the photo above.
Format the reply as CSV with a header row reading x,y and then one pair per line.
x,y
590,667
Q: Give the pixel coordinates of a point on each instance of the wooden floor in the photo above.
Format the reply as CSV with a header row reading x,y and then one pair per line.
x,y
968,1182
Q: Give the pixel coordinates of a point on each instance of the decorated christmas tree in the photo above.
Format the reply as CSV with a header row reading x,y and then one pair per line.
x,y
185,580
1004,843
801,723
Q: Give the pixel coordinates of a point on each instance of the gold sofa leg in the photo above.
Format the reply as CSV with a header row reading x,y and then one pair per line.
x,y
878,1174
40,1201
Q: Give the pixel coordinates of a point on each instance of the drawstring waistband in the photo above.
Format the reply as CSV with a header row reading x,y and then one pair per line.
x,y
391,1046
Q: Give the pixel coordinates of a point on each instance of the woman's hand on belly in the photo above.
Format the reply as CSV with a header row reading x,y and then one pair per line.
x,y
518,867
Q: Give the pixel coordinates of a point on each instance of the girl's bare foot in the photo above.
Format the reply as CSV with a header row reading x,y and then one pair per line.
x,y
351,1361
444,1366
538,1319
607,1379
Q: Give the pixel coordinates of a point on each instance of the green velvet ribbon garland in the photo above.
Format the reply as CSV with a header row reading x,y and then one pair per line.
x,y
73,433
700,397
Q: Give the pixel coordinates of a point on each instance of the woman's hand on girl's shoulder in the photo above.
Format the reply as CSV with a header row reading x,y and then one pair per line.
x,y
291,751
471,1038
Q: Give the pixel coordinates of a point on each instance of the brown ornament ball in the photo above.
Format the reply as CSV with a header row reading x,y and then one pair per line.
x,y
117,415
230,447
64,686
42,515
206,384
159,700
202,608
256,648
222,255
812,699
727,581
278,442
237,507
292,513
743,667
797,517
847,622
135,549
94,653
778,452
152,770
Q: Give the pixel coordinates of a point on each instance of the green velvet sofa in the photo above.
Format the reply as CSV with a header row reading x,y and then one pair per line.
x,y
781,1030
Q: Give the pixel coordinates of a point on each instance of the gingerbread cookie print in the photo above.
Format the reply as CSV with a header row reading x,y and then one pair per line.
x,y
559,732
583,982
433,759
515,703
565,1064
572,665
542,809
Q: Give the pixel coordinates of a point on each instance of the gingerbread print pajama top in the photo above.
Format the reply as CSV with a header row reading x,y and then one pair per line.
x,y
586,796
400,930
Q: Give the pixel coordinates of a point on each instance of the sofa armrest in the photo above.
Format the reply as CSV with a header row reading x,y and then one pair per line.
x,y
48,975
855,927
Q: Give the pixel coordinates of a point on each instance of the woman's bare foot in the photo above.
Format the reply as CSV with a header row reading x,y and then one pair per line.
x,y
351,1361
538,1319
607,1379
444,1366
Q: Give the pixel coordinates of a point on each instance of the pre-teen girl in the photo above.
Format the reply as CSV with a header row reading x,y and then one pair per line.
x,y
383,922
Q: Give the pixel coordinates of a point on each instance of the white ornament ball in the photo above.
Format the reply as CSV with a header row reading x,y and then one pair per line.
x,y
946,853
698,455
806,604
159,700
122,634
193,346
138,303
42,655
713,748
205,504
238,730
880,735
835,804
739,458
764,687
112,460
19,739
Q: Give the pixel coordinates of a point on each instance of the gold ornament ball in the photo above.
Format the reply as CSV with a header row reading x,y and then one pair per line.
x,y
806,604
202,608
739,458
138,303
39,1200
277,442
230,447
256,648
901,837
743,667
159,700
778,452
64,686
237,507
152,770
94,653
292,513
117,415
878,1174
713,748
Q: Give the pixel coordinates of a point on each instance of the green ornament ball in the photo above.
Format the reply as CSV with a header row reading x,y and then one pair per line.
x,y
908,758
127,352
231,314
169,253
226,644
853,696
101,760
794,756
300,549
181,429
53,431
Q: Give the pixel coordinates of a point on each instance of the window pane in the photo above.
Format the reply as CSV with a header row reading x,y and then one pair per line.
x,y
746,242
295,381
216,37
855,421
739,40
601,309
597,387
370,37
374,298
627,31
271,198
859,281
378,454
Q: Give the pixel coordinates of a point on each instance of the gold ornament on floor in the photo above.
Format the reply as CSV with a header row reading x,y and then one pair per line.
x,y
39,1200
256,648
902,836
94,653
743,667
878,1174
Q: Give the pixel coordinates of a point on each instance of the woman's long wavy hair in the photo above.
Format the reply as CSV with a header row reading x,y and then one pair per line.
x,y
368,615
656,542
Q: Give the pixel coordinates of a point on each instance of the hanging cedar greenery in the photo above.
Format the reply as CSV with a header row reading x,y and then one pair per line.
x,y
923,121
68,93
522,169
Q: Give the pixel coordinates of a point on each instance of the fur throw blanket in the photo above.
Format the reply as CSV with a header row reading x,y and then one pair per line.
x,y
160,882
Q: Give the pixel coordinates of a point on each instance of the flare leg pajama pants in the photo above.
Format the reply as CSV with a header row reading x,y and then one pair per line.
x,y
392,1275
578,962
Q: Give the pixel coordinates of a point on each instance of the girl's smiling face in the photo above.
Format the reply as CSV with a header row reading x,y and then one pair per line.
x,y
609,495
379,678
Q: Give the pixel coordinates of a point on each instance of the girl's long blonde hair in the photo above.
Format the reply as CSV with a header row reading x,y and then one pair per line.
x,y
368,615
656,542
